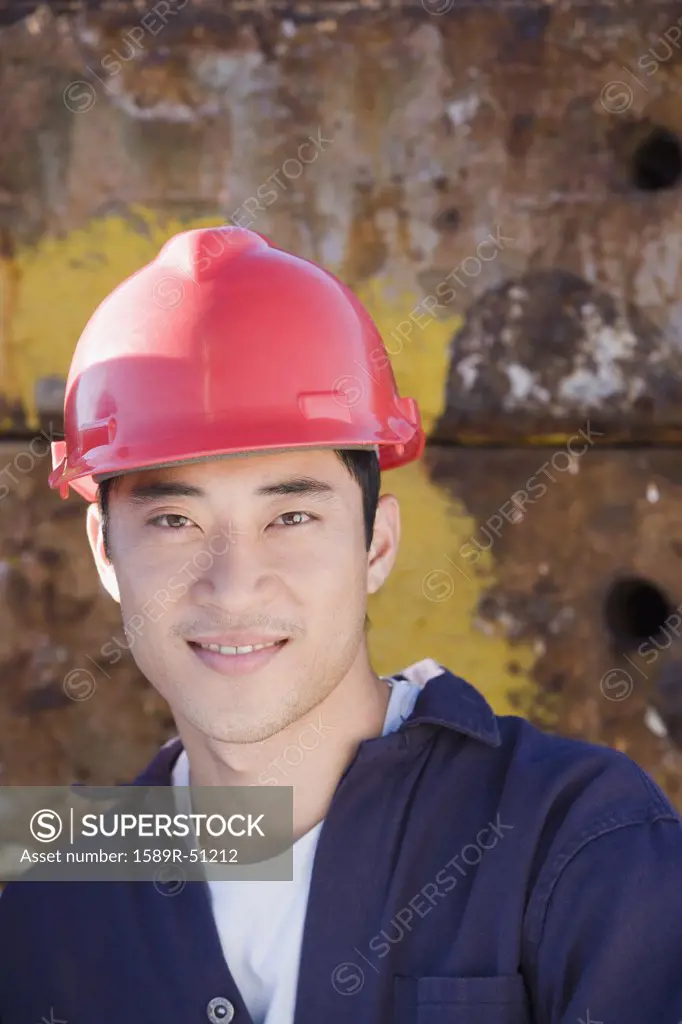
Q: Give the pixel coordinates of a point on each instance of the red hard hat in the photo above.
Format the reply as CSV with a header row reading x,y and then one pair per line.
x,y
224,344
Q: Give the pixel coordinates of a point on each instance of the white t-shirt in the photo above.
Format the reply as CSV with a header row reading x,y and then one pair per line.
x,y
260,924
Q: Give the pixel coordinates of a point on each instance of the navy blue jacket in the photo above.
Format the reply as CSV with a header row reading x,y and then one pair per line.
x,y
471,870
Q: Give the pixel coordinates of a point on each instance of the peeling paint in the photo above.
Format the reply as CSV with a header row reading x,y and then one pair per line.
x,y
174,113
549,348
468,370
462,111
521,381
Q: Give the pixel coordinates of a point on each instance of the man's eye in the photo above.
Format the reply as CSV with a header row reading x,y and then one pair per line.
x,y
172,521
297,516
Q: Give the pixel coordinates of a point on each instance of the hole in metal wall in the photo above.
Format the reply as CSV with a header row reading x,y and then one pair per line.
x,y
657,161
448,220
635,610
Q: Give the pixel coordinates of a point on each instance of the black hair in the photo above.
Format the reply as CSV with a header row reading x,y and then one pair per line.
x,y
361,463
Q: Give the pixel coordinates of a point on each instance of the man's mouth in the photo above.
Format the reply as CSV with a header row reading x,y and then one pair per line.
x,y
237,659
247,649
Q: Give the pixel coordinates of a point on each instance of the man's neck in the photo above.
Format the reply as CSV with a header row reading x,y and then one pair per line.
x,y
310,755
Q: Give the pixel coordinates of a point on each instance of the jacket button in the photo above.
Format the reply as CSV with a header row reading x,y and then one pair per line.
x,y
220,1010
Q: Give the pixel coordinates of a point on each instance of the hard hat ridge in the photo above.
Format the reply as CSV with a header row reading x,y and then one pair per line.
x,y
201,253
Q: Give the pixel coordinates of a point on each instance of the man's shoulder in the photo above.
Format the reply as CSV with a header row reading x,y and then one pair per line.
x,y
534,766
542,759
568,798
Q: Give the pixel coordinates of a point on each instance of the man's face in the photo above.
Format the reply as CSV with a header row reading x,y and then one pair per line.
x,y
238,551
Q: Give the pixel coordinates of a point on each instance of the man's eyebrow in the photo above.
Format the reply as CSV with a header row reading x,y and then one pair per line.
x,y
144,493
305,485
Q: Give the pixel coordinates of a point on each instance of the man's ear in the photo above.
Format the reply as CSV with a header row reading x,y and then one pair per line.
x,y
107,573
385,542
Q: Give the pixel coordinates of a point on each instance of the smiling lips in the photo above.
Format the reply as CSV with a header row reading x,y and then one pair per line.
x,y
237,658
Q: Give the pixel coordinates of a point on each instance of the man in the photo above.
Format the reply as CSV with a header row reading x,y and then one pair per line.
x,y
229,407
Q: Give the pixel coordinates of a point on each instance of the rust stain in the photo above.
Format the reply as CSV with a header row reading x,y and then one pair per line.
x,y
367,249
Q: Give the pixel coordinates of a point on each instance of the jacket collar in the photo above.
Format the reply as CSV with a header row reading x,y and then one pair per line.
x,y
445,700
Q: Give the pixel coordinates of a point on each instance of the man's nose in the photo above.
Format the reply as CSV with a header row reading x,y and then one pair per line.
x,y
233,573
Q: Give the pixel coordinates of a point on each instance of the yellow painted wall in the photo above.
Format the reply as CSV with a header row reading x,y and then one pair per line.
x,y
428,607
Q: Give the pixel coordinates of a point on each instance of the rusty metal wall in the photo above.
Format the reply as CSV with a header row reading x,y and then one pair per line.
x,y
500,183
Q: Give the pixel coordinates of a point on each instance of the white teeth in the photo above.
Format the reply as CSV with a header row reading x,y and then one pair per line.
x,y
219,649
